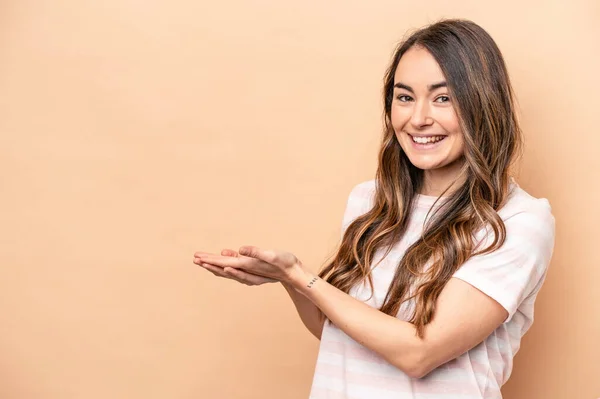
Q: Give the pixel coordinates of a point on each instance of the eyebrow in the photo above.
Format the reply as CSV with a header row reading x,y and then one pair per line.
x,y
431,87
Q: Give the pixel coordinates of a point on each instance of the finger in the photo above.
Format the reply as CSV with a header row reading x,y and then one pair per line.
x,y
198,261
226,261
198,254
217,271
225,252
257,253
249,277
229,252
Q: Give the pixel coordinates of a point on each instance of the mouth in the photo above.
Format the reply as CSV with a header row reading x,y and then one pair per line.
x,y
427,139
426,142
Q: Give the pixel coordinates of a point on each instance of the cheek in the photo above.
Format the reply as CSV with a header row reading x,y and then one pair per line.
x,y
460,144
449,121
399,117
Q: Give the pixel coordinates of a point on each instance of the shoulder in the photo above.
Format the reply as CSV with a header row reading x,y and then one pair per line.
x,y
360,201
362,195
516,269
363,190
530,226
524,210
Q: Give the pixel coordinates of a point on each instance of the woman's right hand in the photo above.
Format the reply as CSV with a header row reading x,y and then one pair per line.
x,y
233,274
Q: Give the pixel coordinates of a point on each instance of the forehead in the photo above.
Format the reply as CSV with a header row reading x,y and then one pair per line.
x,y
417,68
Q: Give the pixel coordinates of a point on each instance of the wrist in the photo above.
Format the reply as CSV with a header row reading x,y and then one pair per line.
x,y
299,278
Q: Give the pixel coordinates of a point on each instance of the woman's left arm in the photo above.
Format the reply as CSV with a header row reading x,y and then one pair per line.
x,y
464,317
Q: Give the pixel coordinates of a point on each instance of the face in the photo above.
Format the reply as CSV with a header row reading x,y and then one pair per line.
x,y
423,115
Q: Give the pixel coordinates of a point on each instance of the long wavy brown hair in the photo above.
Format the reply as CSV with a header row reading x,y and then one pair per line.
x,y
483,98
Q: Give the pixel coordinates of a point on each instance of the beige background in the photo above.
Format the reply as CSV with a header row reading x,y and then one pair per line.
x,y
133,133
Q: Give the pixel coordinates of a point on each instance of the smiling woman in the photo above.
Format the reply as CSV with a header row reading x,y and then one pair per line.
x,y
442,254
422,115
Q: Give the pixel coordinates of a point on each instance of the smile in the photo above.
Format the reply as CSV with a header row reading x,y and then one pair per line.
x,y
427,139
426,142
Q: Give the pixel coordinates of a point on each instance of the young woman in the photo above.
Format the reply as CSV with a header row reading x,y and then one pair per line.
x,y
442,254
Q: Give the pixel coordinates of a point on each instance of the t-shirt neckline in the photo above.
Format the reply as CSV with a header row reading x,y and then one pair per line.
x,y
428,200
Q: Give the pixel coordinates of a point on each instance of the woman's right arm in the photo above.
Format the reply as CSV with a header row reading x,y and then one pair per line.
x,y
311,315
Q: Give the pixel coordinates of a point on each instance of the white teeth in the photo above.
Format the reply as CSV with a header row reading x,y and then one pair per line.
x,y
428,139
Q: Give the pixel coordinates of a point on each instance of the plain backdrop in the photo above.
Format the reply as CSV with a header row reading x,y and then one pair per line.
x,y
134,133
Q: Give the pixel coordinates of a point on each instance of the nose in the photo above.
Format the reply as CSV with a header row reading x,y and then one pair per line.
x,y
421,115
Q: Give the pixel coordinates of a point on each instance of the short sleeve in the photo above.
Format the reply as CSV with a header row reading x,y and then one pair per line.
x,y
516,270
360,201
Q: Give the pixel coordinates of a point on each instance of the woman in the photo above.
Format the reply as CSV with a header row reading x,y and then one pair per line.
x,y
442,254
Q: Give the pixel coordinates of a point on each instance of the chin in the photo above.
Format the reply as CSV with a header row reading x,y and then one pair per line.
x,y
429,162
427,165
435,163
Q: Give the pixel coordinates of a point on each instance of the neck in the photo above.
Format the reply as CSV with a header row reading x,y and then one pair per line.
x,y
436,181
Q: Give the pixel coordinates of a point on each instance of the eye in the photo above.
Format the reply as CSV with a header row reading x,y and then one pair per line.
x,y
442,99
403,98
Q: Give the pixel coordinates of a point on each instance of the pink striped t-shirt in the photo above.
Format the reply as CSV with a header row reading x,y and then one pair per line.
x,y
512,275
